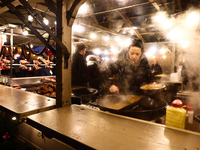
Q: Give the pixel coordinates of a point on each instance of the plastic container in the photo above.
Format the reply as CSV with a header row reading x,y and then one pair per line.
x,y
175,115
189,117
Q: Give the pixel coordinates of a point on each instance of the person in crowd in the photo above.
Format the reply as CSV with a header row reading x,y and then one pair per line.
x,y
53,59
190,79
93,71
79,66
132,72
155,69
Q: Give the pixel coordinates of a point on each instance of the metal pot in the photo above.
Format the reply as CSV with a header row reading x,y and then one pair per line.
x,y
153,92
85,93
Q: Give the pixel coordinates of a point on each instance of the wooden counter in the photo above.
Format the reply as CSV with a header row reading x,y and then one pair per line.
x,y
20,103
85,128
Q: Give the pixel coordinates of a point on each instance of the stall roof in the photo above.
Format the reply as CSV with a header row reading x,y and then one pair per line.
x,y
131,18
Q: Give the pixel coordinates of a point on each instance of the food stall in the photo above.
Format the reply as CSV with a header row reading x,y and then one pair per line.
x,y
76,119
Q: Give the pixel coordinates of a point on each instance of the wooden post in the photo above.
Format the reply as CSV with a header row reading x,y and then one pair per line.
x,y
63,75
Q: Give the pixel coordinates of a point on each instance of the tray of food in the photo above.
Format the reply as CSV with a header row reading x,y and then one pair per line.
x,y
47,89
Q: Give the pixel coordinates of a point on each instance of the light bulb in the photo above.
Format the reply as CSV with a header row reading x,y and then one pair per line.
x,y
25,32
30,18
45,21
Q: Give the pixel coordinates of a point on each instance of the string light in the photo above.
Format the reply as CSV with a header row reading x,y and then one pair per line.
x,y
44,18
160,17
162,51
45,21
93,35
30,18
25,32
106,38
14,118
192,19
97,51
83,9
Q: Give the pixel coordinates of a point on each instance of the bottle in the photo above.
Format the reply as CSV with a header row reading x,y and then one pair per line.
x,y
189,117
175,114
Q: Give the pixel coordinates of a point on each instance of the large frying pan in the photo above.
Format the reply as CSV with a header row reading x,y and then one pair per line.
x,y
141,107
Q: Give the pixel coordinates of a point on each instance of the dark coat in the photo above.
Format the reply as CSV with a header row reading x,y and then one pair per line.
x,y
157,68
79,70
94,75
130,77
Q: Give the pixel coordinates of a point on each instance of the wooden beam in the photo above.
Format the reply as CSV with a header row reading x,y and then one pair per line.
x,y
113,20
88,23
112,10
45,27
179,5
5,8
72,12
51,6
150,33
27,24
155,4
41,8
123,15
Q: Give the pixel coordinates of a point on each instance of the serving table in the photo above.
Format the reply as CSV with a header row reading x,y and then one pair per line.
x,y
20,104
85,128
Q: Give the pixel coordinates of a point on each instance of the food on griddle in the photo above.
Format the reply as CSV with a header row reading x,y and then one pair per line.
x,y
47,89
118,102
151,86
53,94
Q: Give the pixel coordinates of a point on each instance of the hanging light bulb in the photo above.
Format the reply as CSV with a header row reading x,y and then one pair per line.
x,y
25,32
44,18
93,35
30,18
45,21
55,22
106,38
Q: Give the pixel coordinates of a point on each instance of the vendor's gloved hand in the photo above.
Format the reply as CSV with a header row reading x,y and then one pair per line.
x,y
114,89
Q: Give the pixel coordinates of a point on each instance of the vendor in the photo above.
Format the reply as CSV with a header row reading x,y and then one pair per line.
x,y
155,69
132,71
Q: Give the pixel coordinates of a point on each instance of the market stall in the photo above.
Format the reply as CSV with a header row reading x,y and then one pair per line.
x,y
168,30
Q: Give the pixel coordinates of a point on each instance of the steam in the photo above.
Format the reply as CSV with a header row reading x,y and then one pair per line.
x,y
183,29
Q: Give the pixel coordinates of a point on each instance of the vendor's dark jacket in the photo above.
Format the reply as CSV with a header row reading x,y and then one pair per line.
x,y
157,68
130,75
79,70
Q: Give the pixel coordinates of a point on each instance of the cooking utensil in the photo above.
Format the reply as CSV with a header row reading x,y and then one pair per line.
x,y
116,102
152,90
143,108
85,93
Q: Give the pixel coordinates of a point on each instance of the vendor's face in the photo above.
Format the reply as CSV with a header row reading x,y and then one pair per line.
x,y
134,53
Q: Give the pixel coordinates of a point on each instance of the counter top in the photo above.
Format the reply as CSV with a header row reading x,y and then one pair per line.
x,y
20,103
85,128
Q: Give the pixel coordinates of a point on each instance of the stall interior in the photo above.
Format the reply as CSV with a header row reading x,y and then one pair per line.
x,y
168,29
